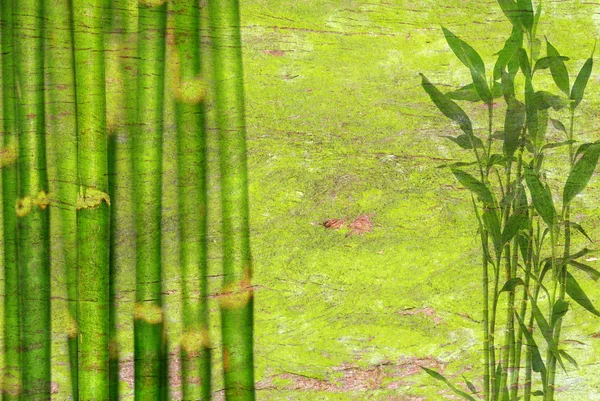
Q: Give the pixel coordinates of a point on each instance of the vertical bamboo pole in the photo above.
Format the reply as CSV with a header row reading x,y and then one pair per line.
x,y
237,296
8,162
93,201
147,178
190,110
62,140
32,205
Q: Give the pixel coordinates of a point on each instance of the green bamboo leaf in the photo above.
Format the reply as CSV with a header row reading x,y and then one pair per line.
x,y
569,358
512,44
441,378
448,107
508,86
546,100
537,362
580,229
558,70
456,164
548,61
578,295
558,125
526,13
536,19
470,385
475,186
465,142
557,144
561,307
472,60
511,284
589,270
497,159
517,221
582,80
469,93
524,62
531,109
545,329
582,148
540,196
513,125
581,173
511,10
538,393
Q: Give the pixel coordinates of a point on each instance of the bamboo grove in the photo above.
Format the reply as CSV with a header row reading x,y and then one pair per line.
x,y
84,83
531,268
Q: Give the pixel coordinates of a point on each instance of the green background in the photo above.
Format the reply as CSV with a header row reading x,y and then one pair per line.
x,y
338,126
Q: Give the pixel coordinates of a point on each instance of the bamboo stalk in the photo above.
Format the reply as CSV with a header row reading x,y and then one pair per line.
x,y
62,139
191,144
147,178
32,205
11,382
93,202
237,295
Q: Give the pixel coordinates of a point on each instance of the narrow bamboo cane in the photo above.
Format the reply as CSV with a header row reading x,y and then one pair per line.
x,y
62,140
191,144
237,295
32,205
11,386
93,202
147,178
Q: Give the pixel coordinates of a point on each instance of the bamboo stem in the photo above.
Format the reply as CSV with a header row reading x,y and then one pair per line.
x,y
93,201
147,182
237,294
32,208
11,382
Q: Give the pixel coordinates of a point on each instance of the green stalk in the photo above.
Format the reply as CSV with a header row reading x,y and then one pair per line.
x,y
237,294
62,139
32,205
550,358
8,162
93,202
191,143
147,181
562,277
485,322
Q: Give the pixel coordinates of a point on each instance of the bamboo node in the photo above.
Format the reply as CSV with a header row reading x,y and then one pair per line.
x,y
192,91
23,206
42,200
194,339
150,313
236,295
152,3
8,155
91,198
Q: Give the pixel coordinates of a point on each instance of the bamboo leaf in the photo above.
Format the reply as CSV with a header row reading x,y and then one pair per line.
x,y
526,13
546,100
512,44
456,164
448,107
508,86
469,93
536,19
441,378
465,142
581,81
538,393
591,272
524,62
546,62
582,148
513,125
531,109
581,173
556,145
569,358
580,229
511,284
558,69
472,60
510,9
560,309
578,295
540,196
537,362
470,385
475,186
517,221
545,329
558,125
